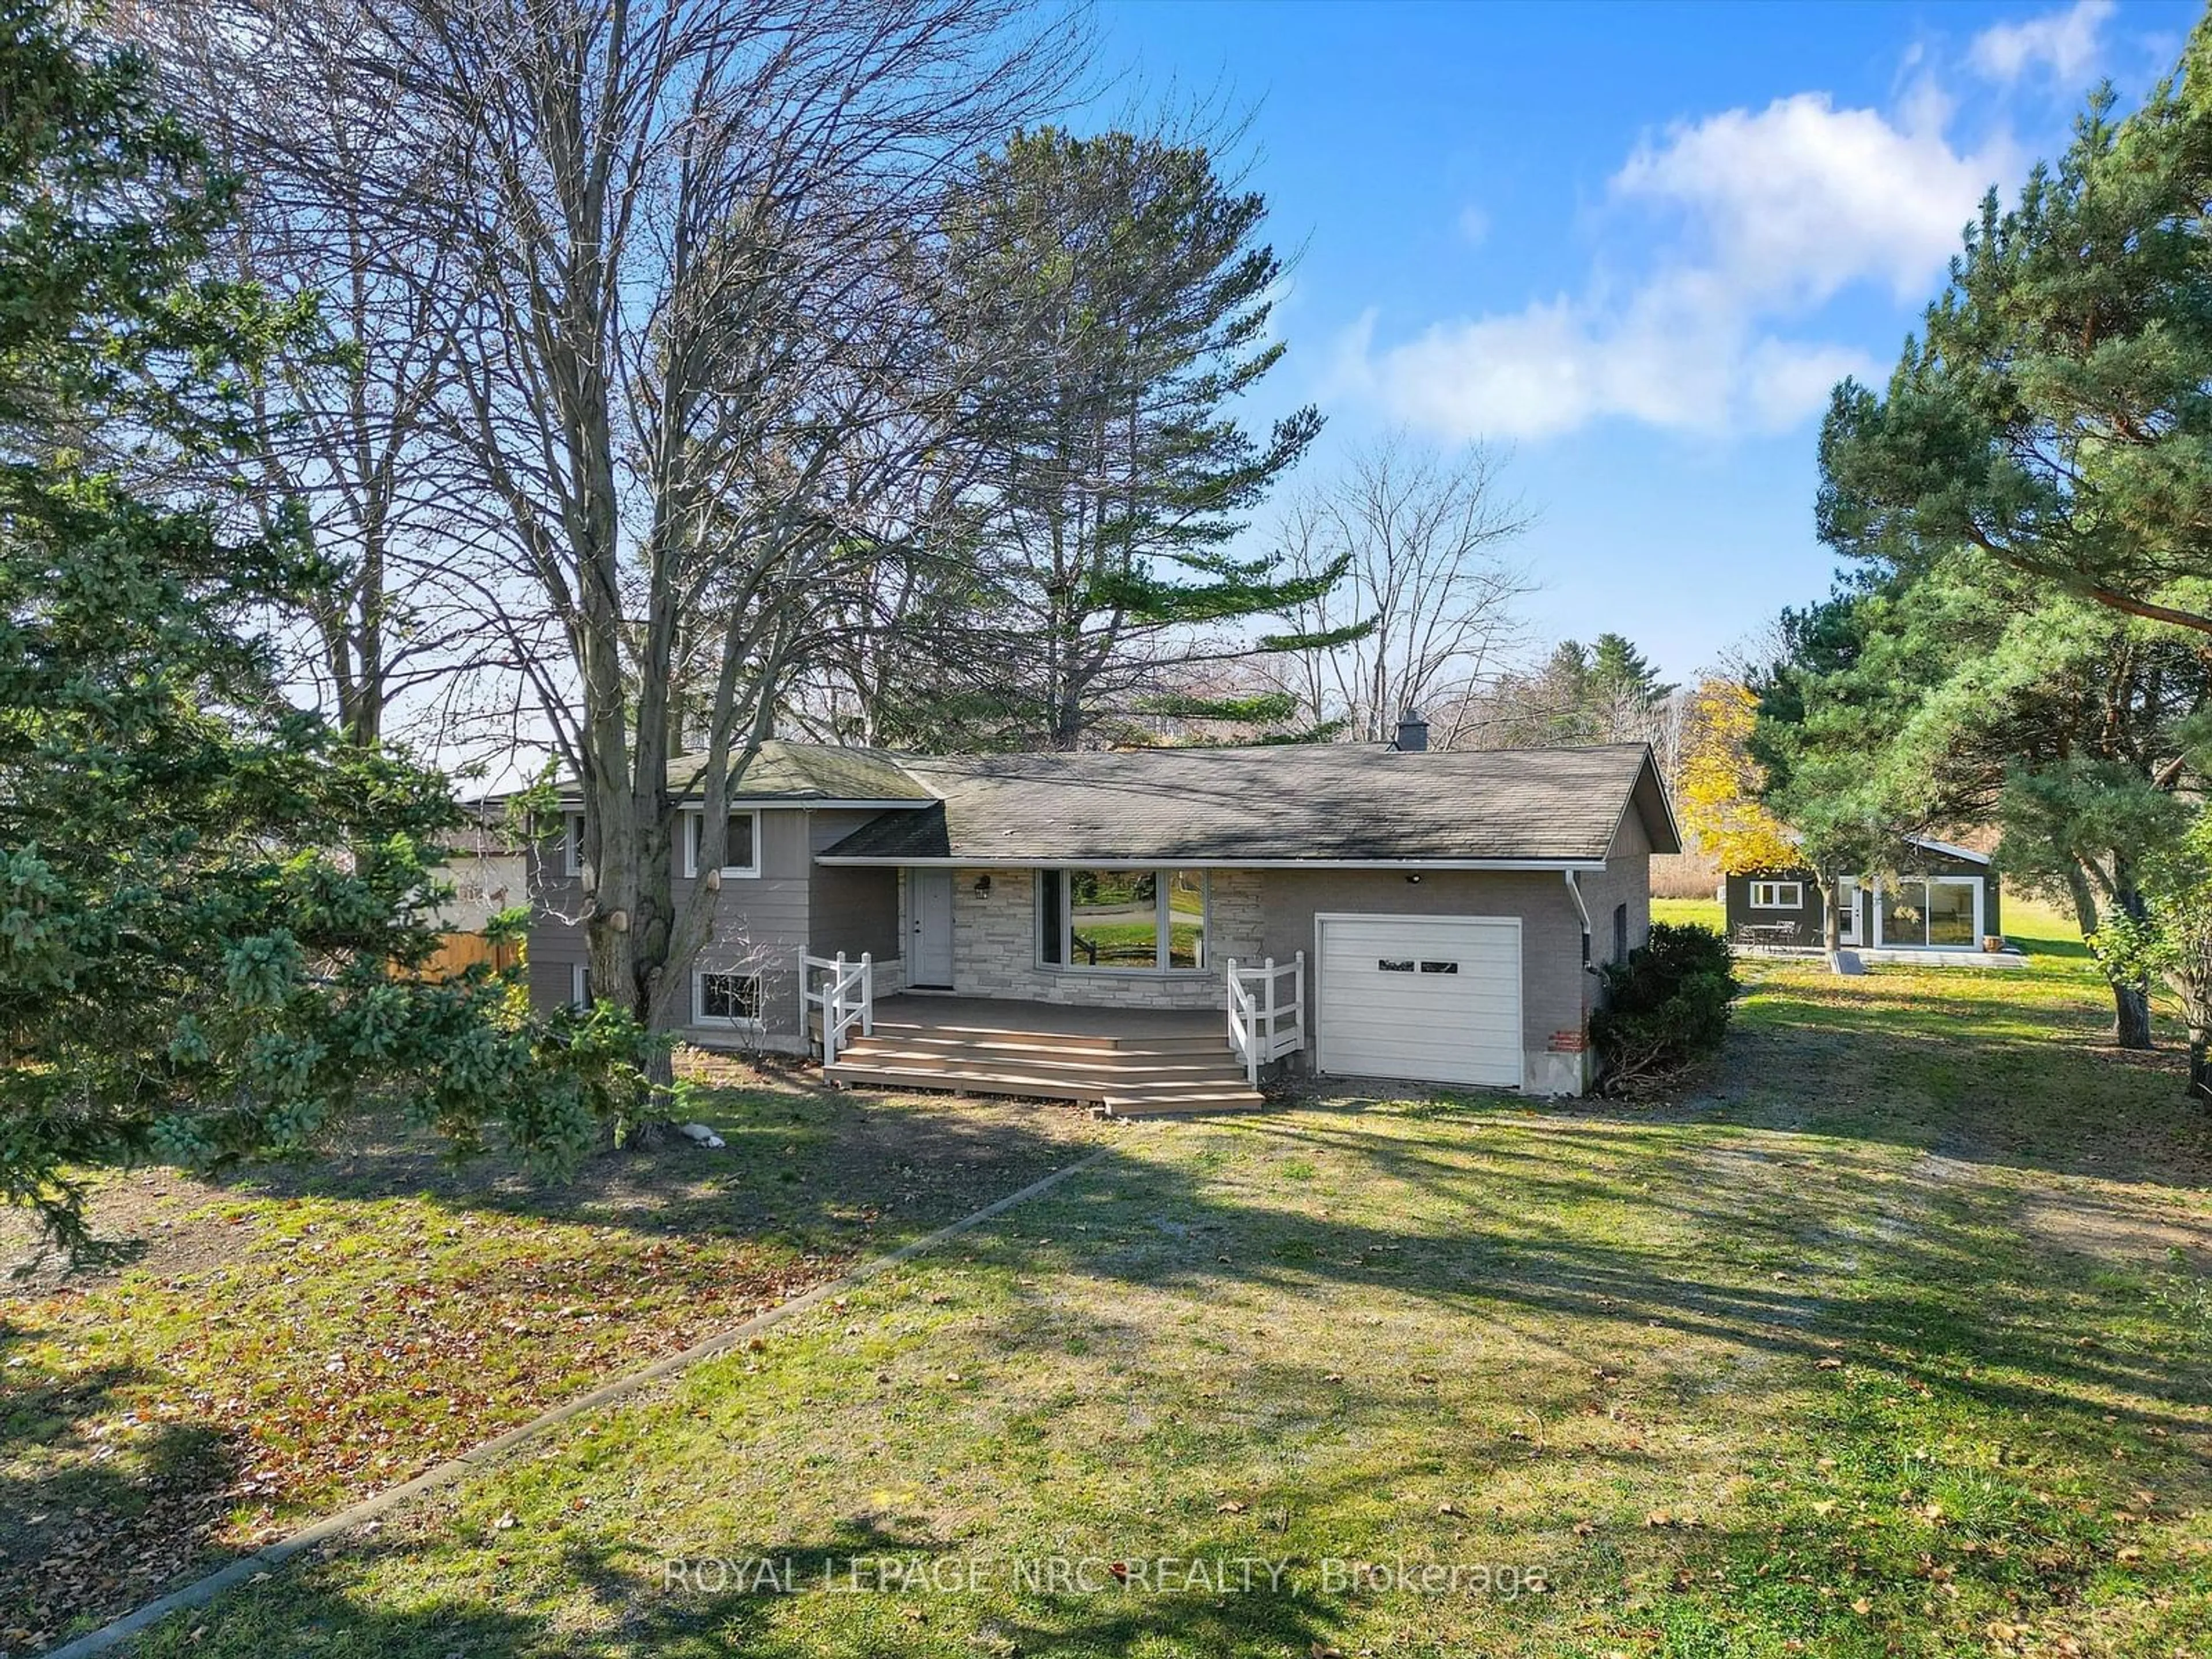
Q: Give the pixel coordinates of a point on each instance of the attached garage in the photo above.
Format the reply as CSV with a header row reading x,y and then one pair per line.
x,y
1437,999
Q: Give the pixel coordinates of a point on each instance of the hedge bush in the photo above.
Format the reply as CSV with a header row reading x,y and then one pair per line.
x,y
1665,1008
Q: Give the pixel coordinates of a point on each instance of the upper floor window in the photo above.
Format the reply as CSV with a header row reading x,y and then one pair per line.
x,y
740,855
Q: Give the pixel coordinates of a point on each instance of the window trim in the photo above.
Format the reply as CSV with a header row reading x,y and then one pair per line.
x,y
1163,944
579,985
694,826
1775,902
1981,889
729,1022
571,843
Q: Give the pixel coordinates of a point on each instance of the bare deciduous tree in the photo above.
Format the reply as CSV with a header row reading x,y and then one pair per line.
x,y
345,413
1426,536
680,253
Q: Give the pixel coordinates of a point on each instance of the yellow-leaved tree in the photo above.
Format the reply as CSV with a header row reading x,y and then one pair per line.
x,y
1720,784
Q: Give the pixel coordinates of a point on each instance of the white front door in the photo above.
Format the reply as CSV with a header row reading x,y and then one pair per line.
x,y
929,918
1434,997
1847,909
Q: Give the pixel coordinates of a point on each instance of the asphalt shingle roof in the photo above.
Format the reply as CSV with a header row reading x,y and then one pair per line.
x,y
1326,802
802,772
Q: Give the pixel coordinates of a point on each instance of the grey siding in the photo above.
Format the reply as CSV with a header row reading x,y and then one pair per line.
x,y
850,908
760,926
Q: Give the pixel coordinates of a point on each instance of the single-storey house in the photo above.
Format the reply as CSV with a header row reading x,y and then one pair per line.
x,y
1384,911
1940,898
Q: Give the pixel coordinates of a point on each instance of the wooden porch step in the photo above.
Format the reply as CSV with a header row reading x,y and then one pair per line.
x,y
967,1083
995,1037
1118,1099
879,1050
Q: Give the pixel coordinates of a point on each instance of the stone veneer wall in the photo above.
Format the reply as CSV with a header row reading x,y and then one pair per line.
x,y
994,947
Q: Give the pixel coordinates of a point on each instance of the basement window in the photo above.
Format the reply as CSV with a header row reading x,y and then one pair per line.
x,y
723,997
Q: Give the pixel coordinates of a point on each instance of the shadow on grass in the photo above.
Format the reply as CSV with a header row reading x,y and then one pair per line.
x,y
73,1487
627,1597
1773,1220
814,1168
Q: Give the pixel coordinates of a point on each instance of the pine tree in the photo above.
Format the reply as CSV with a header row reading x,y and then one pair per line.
x,y
1114,477
187,968
2055,411
1962,693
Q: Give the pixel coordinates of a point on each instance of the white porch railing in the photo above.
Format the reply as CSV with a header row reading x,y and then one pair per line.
x,y
847,998
1264,1025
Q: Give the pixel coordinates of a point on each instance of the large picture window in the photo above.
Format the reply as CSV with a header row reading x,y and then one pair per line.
x,y
1941,912
1143,921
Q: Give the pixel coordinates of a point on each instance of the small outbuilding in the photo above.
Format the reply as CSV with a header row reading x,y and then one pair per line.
x,y
1942,900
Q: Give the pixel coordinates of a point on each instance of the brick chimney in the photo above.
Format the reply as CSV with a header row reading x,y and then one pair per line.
x,y
1412,733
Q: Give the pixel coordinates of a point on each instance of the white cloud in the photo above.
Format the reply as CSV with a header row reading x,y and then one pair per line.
x,y
2065,42
1474,225
1758,220
1802,199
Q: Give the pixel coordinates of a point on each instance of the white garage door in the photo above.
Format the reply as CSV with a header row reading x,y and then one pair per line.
x,y
1436,998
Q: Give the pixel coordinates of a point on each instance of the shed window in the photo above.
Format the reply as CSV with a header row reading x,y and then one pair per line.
x,y
1777,896
1620,933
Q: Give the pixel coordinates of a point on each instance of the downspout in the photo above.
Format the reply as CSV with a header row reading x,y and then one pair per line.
x,y
1575,892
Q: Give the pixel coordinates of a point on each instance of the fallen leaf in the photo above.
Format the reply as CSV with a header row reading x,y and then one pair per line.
x,y
1229,1506
1827,1364
1863,1606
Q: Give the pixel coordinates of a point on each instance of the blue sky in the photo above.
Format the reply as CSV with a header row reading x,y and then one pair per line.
x,y
1633,244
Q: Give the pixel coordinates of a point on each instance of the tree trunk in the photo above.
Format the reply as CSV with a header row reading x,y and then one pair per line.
x,y
1832,915
2200,1062
2131,1015
2130,1001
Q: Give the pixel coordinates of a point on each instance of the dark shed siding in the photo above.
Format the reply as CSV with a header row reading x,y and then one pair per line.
x,y
1806,924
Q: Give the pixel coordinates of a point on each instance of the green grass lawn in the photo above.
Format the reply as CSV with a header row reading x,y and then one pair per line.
x,y
1894,1336
295,1338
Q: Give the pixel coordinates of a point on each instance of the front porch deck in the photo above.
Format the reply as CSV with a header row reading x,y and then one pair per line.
x,y
1129,1062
